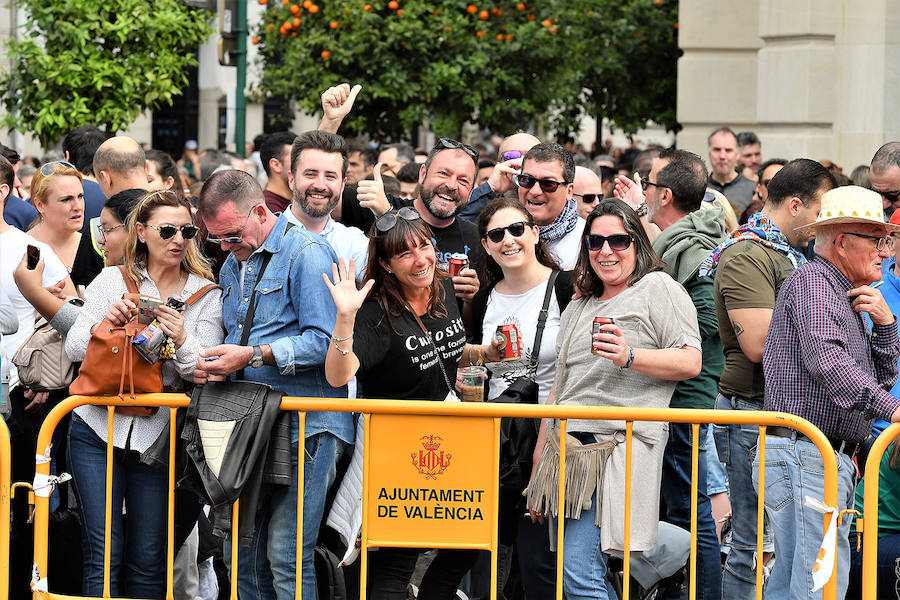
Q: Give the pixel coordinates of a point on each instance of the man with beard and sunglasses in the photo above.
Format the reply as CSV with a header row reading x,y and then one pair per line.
x,y
546,185
317,177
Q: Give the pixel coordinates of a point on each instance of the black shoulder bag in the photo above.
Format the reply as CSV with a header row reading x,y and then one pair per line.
x,y
518,435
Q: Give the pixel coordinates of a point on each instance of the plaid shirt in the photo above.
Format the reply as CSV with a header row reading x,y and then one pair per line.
x,y
821,363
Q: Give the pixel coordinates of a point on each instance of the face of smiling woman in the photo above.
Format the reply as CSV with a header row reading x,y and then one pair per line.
x,y
511,252
413,267
613,267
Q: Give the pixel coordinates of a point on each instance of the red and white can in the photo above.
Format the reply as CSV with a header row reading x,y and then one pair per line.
x,y
595,329
510,342
458,261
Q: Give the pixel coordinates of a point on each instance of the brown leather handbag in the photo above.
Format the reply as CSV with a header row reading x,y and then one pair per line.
x,y
111,360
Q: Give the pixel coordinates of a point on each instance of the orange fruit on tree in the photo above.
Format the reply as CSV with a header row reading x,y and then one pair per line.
x,y
483,15
393,5
367,7
530,17
479,34
295,10
285,2
270,27
471,9
554,30
307,4
520,6
255,41
293,34
325,54
333,24
313,9
263,2
296,21
499,37
508,37
286,25
435,12
401,12
546,23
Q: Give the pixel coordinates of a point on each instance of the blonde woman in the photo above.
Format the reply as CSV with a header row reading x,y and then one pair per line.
x,y
58,196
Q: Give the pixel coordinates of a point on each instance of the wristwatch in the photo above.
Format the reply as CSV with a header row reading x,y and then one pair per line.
x,y
257,360
642,209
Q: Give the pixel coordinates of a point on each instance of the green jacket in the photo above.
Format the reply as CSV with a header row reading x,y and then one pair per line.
x,y
683,246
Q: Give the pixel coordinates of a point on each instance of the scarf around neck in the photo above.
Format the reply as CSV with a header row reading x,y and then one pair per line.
x,y
758,228
561,225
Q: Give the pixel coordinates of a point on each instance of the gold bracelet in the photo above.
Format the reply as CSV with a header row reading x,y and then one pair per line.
x,y
480,358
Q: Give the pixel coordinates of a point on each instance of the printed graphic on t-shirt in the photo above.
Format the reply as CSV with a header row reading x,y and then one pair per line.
x,y
443,258
447,341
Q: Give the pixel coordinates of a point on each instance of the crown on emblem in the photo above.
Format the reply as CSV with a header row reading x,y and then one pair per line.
x,y
431,442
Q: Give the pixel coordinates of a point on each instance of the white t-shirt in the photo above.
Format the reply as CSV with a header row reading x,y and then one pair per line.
x,y
565,250
522,310
12,249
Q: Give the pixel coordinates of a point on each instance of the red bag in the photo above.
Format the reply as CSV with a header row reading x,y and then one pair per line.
x,y
111,359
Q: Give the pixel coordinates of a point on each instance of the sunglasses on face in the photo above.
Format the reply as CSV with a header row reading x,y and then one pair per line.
x,y
167,232
890,196
589,198
497,234
388,220
617,241
453,144
232,239
48,168
645,183
548,186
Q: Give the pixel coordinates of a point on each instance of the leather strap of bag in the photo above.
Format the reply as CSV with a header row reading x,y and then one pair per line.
x,y
437,353
129,282
200,293
542,320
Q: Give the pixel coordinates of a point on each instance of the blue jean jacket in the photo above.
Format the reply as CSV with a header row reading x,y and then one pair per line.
x,y
295,316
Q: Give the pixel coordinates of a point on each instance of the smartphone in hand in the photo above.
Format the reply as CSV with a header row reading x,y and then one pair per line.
x,y
34,255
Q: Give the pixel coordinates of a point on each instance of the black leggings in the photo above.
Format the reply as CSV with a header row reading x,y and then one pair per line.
x,y
390,570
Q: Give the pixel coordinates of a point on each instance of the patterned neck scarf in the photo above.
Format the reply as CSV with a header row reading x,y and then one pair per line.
x,y
562,224
758,228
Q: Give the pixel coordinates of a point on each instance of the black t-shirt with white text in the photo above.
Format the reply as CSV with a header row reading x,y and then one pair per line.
x,y
459,237
399,362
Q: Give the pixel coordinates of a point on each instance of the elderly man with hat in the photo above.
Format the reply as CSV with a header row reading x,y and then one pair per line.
x,y
823,363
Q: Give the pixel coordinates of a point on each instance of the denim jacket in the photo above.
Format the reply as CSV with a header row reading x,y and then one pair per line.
x,y
295,316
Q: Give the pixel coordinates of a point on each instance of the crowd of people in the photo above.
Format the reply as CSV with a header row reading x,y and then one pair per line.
x,y
321,267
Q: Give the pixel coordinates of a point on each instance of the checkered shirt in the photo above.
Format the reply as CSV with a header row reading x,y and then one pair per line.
x,y
821,363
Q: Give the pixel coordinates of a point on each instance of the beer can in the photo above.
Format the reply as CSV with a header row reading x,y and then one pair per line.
x,y
458,262
510,343
595,329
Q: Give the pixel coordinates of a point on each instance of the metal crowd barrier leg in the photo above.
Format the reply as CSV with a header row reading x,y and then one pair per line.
x,y
5,490
561,506
695,461
870,511
760,511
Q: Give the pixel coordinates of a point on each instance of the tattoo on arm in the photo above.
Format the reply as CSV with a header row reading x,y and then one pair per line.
x,y
738,330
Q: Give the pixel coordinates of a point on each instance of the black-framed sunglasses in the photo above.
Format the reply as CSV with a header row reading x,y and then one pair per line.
x,y
453,144
388,220
646,183
234,239
497,234
890,196
548,186
167,232
617,241
880,241
589,198
48,168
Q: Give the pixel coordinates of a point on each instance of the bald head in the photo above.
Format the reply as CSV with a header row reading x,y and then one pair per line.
x,y
588,190
522,142
120,164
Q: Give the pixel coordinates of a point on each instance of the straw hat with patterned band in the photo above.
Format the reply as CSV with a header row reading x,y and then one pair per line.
x,y
850,204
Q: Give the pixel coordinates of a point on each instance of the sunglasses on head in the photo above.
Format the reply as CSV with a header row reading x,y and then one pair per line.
x,y
453,144
388,220
511,154
48,168
167,232
497,234
617,241
527,182
589,198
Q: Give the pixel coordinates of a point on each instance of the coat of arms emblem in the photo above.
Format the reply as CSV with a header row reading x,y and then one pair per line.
x,y
431,460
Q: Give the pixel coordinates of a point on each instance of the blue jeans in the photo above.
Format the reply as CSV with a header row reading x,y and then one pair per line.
x,y
795,470
736,445
584,565
887,572
267,568
716,477
138,538
675,506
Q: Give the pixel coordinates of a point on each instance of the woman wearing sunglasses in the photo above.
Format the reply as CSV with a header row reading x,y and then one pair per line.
x,y
390,340
650,340
162,257
515,276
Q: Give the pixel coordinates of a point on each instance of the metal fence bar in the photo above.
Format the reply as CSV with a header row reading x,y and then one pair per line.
x,y
761,510
870,511
561,506
695,462
301,490
5,494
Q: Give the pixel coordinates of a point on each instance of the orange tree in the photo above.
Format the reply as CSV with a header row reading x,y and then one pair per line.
x,y
98,62
499,63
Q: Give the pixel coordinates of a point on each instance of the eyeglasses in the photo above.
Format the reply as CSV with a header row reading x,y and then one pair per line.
x,y
388,220
890,196
497,234
48,168
589,198
646,183
167,232
765,182
237,239
617,241
879,241
453,144
511,154
527,182
95,222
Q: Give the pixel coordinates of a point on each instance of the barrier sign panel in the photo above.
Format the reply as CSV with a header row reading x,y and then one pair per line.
x,y
431,480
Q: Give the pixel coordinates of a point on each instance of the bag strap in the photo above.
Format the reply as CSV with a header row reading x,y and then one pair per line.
x,y
200,293
129,282
542,320
450,388
251,308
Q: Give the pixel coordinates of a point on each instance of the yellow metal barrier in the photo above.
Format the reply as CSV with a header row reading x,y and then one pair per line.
x,y
5,493
444,409
870,511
